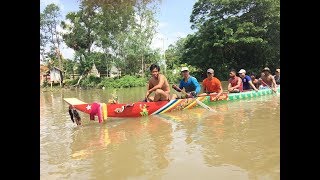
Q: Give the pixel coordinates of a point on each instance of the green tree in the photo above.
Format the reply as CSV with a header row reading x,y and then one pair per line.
x,y
234,34
113,29
122,29
125,31
144,29
43,37
49,22
80,35
174,53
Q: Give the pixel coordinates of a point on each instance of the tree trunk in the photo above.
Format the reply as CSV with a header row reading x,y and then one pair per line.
x,y
42,54
58,50
142,66
105,56
59,58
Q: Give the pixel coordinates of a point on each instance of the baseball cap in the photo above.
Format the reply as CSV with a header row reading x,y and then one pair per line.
x,y
210,70
242,71
184,69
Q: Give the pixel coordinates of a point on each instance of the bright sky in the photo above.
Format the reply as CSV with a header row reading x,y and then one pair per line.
x,y
173,18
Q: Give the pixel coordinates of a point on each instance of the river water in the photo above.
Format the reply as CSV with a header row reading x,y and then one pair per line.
x,y
239,141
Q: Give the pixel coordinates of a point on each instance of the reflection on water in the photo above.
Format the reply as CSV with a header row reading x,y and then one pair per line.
x,y
240,141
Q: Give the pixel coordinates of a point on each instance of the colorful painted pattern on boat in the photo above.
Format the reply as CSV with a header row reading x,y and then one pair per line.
x,y
139,109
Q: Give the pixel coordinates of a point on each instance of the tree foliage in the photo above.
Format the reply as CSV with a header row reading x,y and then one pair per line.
x,y
234,34
80,35
174,53
49,34
229,34
121,30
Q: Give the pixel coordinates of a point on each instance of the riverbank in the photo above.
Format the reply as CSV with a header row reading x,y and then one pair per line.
x,y
90,82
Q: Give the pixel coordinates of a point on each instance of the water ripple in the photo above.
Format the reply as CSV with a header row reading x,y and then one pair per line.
x,y
240,141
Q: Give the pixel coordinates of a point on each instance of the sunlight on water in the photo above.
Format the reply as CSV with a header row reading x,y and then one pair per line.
x,y
240,141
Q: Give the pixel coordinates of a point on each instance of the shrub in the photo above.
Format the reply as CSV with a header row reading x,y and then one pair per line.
x,y
70,82
123,82
90,81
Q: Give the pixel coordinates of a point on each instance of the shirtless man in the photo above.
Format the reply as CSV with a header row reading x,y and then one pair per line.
x,y
158,84
267,80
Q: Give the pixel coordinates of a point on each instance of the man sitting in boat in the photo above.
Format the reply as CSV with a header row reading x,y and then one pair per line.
x,y
211,85
254,80
235,82
267,80
246,81
158,84
277,76
189,83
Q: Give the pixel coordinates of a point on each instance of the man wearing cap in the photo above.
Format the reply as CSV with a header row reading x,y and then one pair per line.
x,y
267,80
189,83
246,81
277,76
211,85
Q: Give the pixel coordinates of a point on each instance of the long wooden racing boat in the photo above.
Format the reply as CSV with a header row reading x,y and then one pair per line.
x,y
138,109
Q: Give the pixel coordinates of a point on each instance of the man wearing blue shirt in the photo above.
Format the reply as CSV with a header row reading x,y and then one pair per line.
x,y
246,81
189,83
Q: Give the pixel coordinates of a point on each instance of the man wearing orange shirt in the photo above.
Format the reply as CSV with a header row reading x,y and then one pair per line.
x,y
211,85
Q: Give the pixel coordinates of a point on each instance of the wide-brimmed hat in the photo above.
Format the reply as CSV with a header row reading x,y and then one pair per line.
x,y
266,69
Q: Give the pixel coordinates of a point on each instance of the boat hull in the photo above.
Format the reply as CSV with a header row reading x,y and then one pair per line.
x,y
138,109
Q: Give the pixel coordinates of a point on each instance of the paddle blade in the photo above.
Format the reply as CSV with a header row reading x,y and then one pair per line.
x,y
205,106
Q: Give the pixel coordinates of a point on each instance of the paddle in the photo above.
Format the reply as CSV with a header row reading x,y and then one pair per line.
x,y
198,102
205,106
